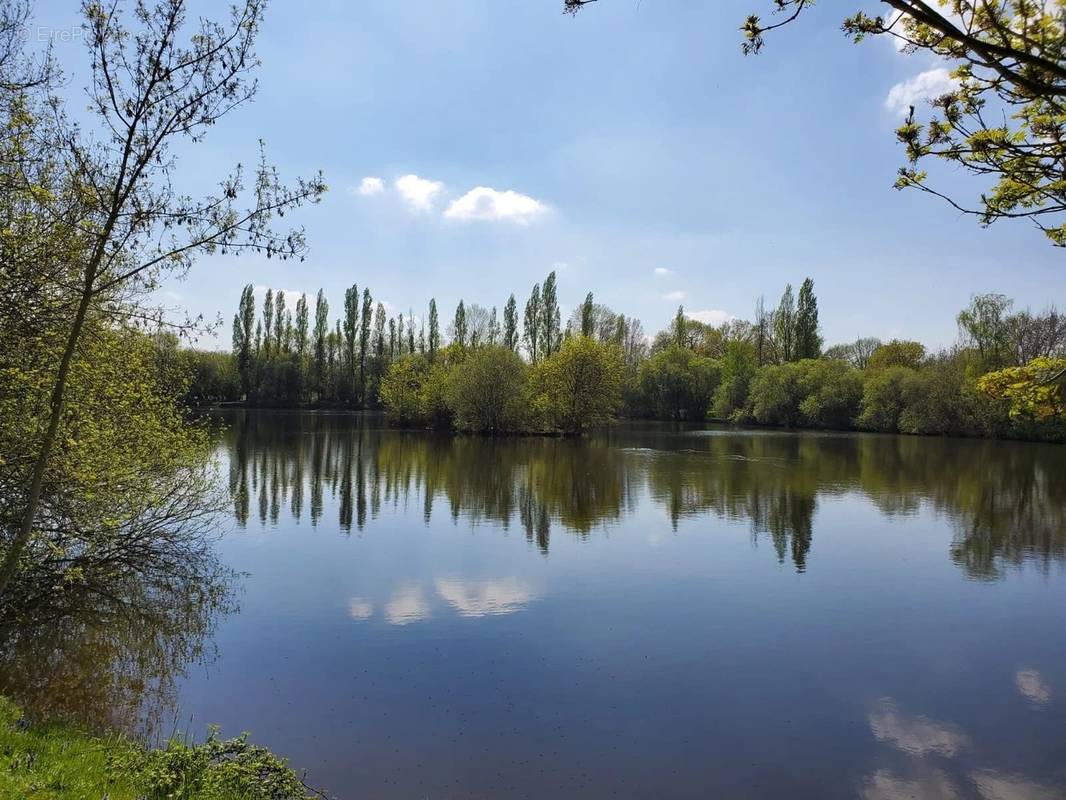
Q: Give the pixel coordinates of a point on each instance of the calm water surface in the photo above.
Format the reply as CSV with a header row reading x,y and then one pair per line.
x,y
650,612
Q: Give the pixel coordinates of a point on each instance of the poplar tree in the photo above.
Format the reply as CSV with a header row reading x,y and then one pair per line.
x,y
364,341
680,327
587,321
321,341
785,326
434,329
531,329
243,322
351,330
268,320
551,321
510,324
379,333
279,321
459,325
302,325
808,343
761,332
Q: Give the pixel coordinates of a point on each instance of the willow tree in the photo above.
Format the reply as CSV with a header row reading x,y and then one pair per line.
x,y
150,90
1004,118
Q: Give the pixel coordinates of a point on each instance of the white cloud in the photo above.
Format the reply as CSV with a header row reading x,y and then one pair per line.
x,y
894,21
480,598
678,295
710,316
405,606
1032,686
368,186
663,271
915,735
485,203
418,192
291,295
924,86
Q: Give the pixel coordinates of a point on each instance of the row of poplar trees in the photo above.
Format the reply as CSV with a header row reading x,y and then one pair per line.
x,y
291,355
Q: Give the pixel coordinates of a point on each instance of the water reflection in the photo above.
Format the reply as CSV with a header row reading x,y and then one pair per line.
x,y
468,598
933,785
1006,501
917,736
1032,686
936,768
110,656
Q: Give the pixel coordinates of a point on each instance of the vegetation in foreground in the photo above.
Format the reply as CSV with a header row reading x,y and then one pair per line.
x,y
59,763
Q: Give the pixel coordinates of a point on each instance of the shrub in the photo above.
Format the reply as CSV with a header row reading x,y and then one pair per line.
x,y
738,368
486,393
940,399
401,390
774,396
580,385
883,399
812,393
897,353
830,393
677,383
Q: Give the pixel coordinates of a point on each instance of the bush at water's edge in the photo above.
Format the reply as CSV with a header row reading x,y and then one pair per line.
x,y
56,762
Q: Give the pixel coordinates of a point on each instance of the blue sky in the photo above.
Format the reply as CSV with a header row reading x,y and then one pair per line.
x,y
651,163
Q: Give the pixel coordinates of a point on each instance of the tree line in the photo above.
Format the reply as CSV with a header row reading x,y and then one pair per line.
x,y
495,373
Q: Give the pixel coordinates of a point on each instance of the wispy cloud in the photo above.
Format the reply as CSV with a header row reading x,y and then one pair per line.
x,y
676,295
710,316
486,203
291,295
417,192
367,187
924,86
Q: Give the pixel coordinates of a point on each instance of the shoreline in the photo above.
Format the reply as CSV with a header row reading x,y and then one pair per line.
x,y
695,424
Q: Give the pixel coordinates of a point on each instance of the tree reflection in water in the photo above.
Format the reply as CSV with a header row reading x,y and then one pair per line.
x,y
1006,501
105,646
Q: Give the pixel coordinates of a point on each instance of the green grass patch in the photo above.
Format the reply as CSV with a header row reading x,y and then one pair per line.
x,y
54,762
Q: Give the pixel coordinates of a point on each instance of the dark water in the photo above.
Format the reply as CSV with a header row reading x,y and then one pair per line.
x,y
651,612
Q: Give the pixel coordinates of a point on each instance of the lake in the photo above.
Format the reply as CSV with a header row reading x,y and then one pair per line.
x,y
652,611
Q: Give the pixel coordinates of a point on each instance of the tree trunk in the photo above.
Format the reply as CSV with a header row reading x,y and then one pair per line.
x,y
10,563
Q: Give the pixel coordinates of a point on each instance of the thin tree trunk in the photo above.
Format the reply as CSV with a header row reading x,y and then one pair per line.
x,y
10,563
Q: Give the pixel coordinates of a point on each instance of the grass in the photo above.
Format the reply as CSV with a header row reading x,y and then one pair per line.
x,y
55,762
